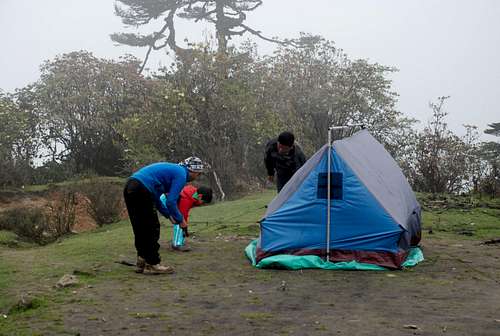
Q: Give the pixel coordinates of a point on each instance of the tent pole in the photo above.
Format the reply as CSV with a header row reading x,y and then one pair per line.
x,y
328,215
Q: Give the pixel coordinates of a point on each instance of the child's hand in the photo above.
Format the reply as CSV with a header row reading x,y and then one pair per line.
x,y
183,224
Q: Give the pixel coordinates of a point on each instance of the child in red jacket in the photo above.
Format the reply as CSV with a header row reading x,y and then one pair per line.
x,y
189,197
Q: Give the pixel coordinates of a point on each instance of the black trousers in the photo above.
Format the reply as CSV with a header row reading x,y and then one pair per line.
x,y
142,212
281,180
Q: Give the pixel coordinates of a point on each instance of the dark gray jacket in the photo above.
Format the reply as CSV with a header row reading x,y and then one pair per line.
x,y
284,165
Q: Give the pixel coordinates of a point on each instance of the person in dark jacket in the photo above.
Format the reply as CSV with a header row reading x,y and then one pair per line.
x,y
283,158
142,197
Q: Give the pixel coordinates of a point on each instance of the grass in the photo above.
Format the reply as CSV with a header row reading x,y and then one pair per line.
x,y
232,217
476,223
87,252
35,265
7,237
76,181
25,267
448,201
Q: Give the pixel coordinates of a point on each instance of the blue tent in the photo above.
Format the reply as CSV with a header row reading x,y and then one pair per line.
x,y
374,215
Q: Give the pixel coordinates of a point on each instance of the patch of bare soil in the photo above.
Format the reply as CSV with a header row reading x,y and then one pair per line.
x,y
22,202
215,291
83,221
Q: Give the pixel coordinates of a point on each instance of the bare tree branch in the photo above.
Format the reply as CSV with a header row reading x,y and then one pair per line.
x,y
259,34
143,65
170,39
205,15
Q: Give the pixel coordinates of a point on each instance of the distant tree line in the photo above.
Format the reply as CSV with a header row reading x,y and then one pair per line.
x,y
91,116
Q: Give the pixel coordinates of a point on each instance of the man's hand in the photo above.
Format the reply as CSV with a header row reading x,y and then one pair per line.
x,y
269,182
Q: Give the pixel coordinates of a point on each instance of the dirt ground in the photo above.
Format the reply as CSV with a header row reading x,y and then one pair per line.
x,y
215,291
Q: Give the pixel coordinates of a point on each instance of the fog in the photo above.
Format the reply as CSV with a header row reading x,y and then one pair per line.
x,y
440,47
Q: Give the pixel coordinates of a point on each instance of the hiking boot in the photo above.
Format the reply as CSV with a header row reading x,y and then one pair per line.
x,y
157,269
182,248
140,264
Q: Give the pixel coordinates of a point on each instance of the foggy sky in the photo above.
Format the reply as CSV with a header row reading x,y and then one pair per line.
x,y
445,47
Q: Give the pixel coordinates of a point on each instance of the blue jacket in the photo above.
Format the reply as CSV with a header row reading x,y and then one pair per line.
x,y
164,178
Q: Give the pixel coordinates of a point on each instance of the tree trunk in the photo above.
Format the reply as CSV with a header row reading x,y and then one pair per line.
x,y
219,27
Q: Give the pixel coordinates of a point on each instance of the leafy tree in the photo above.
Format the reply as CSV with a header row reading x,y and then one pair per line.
x,y
444,162
306,81
8,135
490,152
81,98
196,110
494,129
227,116
18,139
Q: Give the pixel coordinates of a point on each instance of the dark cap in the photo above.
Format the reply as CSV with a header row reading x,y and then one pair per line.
x,y
206,193
286,139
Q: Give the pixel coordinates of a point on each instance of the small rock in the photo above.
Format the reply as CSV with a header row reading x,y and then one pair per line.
x,y
67,280
4,316
283,286
96,267
250,291
25,303
391,275
410,326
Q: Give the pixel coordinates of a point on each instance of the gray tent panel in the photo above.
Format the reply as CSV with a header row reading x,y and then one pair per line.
x,y
382,176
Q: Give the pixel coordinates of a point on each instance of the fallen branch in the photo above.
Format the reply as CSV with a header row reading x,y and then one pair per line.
x,y
492,241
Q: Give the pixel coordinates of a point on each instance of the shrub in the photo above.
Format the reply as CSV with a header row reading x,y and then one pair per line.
x,y
104,200
42,225
490,186
62,213
28,223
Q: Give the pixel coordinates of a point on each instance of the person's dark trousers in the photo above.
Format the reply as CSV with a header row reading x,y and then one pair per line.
x,y
281,181
142,212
